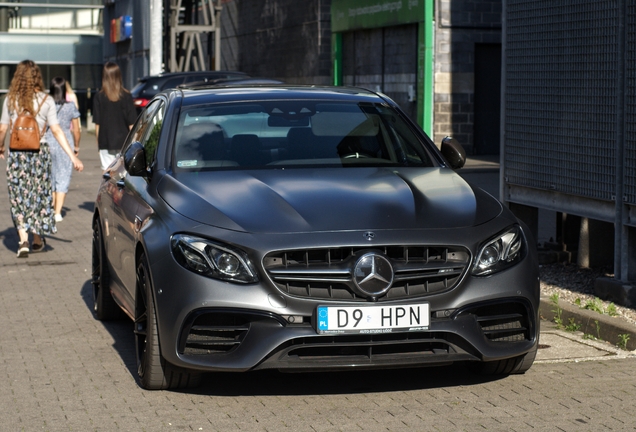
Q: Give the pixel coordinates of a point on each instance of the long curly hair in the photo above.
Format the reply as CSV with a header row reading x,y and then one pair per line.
x,y
25,84
112,84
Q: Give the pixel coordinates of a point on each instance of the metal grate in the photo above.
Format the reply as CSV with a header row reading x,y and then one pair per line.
x,y
560,113
629,180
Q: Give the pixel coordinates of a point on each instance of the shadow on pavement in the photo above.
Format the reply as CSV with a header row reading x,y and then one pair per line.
x,y
270,382
10,238
121,331
87,205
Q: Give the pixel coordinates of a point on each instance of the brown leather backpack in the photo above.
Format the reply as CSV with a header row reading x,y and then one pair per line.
x,y
25,132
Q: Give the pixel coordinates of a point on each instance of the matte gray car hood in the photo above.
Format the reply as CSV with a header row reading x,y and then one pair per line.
x,y
324,199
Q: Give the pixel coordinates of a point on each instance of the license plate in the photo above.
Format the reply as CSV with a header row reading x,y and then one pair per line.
x,y
372,319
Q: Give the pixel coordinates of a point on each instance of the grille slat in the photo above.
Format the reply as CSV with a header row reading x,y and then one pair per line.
x,y
369,347
215,334
503,322
328,273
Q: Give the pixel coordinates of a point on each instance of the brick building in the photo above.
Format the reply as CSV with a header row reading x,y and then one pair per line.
x,y
468,73
281,39
439,59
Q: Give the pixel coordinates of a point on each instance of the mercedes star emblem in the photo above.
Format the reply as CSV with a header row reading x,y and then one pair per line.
x,y
373,274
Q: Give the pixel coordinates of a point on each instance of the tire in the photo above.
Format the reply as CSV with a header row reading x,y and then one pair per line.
x,y
153,371
526,361
104,306
515,365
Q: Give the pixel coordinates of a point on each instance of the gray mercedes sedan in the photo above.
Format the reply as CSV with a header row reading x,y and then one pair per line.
x,y
305,229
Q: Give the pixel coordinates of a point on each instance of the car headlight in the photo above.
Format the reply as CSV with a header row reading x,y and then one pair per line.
x,y
501,252
212,259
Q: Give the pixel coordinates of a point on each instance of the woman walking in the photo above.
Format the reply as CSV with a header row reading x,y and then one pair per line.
x,y
113,114
70,95
29,172
61,164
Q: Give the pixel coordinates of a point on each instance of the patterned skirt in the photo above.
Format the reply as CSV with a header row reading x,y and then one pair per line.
x,y
30,195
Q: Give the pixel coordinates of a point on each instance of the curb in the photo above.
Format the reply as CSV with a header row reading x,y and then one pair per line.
x,y
602,327
616,291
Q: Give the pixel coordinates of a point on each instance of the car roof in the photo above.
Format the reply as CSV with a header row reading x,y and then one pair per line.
x,y
216,73
229,92
233,81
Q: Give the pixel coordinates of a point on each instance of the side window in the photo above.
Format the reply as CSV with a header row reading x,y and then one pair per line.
x,y
150,139
147,129
141,125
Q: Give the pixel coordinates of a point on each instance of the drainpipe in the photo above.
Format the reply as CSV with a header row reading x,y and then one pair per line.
x,y
621,235
4,28
156,37
428,92
336,55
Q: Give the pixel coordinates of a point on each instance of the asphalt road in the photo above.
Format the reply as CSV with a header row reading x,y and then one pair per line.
x,y
62,370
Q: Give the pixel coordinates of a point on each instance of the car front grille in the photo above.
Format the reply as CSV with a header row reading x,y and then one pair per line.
x,y
328,273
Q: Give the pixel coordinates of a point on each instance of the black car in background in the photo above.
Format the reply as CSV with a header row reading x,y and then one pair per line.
x,y
149,86
305,229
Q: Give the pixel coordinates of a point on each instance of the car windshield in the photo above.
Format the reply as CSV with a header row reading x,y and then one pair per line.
x,y
274,134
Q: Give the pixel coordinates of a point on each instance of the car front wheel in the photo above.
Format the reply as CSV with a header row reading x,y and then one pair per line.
x,y
515,365
153,371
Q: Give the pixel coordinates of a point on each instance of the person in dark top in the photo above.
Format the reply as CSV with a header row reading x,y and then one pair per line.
x,y
113,114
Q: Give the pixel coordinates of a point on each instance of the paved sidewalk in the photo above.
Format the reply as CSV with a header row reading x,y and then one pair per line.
x,y
61,370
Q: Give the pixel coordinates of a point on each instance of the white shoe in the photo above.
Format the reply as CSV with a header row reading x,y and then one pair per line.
x,y
58,217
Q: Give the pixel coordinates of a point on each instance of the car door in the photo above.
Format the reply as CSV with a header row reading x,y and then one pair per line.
x,y
128,204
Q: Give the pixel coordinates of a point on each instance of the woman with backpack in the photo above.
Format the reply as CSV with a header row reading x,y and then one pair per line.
x,y
29,169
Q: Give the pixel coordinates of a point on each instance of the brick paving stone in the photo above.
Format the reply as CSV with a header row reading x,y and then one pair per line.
x,y
61,370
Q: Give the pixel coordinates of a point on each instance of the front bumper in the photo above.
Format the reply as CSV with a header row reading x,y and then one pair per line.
x,y
225,339
219,326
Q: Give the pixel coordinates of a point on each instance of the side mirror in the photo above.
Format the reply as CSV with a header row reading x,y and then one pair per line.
x,y
453,152
135,160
